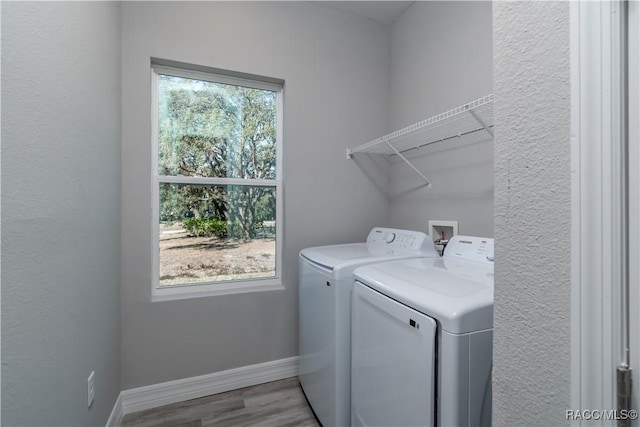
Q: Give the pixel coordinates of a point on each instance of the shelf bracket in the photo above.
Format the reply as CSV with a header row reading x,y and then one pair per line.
x,y
482,123
349,154
404,159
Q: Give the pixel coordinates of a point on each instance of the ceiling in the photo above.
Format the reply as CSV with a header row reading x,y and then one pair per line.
x,y
381,11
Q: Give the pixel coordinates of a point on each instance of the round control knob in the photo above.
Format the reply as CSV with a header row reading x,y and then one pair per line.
x,y
389,237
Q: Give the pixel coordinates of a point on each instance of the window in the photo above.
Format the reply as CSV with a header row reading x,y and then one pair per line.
x,y
217,193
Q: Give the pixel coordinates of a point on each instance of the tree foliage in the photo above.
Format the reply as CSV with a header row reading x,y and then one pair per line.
x,y
217,130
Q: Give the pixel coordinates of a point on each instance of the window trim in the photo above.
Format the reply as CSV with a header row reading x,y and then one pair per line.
x,y
226,287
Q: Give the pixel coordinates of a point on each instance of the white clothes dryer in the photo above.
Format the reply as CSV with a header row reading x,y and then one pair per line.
x,y
422,333
324,311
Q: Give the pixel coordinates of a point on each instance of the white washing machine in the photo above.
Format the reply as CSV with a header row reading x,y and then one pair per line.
x,y
324,293
422,333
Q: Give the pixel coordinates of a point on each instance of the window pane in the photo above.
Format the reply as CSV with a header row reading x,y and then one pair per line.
x,y
211,233
215,130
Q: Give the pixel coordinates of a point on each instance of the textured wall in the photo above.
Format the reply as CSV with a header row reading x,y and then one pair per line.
x,y
60,211
441,58
335,68
531,380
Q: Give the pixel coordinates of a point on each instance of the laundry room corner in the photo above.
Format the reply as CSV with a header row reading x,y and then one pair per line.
x,y
441,58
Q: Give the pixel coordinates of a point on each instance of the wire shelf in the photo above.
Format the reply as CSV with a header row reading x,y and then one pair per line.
x,y
469,123
462,121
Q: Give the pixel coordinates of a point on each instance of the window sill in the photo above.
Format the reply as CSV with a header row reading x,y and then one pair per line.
x,y
215,289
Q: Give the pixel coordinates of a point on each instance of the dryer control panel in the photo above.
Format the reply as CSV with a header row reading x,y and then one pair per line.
x,y
470,248
393,240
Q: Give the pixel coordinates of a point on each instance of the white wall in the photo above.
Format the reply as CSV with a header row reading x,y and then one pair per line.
x,y
531,377
441,58
60,212
335,68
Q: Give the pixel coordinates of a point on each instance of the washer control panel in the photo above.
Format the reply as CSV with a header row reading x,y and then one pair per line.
x,y
394,240
471,248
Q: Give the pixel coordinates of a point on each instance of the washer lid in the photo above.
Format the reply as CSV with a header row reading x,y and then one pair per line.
x,y
383,244
457,293
333,255
343,259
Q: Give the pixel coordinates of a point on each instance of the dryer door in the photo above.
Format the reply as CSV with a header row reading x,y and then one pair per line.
x,y
392,362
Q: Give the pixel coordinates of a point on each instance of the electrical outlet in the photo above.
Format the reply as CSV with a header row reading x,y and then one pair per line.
x,y
91,388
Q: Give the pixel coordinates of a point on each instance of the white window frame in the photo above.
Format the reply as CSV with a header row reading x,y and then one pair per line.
x,y
197,290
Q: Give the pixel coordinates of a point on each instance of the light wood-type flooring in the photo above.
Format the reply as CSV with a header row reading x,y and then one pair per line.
x,y
275,404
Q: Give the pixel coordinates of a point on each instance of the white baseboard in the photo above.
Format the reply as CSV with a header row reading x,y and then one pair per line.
x,y
117,414
152,396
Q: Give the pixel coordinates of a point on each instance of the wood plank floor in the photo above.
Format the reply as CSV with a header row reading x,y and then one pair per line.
x,y
275,404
